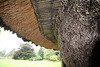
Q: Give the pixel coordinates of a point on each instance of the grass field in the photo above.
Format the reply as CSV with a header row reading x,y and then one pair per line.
x,y
25,63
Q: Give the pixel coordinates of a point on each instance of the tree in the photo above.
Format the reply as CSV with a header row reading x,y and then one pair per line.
x,y
79,32
25,52
41,53
11,53
3,53
50,54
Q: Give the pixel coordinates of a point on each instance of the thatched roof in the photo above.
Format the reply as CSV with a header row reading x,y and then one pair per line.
x,y
19,15
46,11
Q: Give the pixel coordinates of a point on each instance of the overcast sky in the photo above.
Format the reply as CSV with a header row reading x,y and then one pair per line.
x,y
9,41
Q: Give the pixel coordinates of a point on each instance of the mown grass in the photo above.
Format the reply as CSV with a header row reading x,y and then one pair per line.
x,y
25,63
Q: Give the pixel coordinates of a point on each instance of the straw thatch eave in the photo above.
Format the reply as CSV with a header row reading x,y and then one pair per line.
x,y
19,16
46,12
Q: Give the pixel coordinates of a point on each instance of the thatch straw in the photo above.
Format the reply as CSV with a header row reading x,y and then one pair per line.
x,y
46,11
20,17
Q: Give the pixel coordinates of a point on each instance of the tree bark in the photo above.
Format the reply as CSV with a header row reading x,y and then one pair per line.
x,y
78,31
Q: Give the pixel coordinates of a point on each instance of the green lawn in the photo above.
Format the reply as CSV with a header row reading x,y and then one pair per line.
x,y
25,63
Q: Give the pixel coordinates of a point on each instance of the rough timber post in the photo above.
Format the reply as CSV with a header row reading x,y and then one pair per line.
x,y
79,33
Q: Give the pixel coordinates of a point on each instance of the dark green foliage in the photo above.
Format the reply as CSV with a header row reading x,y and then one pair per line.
x,y
31,59
47,54
53,58
38,58
25,52
50,54
41,53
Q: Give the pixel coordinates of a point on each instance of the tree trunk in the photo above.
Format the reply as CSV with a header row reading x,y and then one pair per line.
x,y
78,32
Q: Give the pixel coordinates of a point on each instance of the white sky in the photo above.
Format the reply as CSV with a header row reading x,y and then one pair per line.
x,y
9,41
